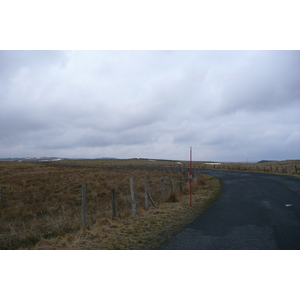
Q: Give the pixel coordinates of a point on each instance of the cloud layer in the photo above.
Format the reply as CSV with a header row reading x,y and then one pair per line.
x,y
228,105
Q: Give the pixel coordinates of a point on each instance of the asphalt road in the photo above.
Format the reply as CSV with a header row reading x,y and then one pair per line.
x,y
253,211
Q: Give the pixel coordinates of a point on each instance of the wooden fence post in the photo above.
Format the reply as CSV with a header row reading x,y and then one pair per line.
x,y
83,205
163,195
180,183
171,184
1,194
146,193
113,203
151,200
133,202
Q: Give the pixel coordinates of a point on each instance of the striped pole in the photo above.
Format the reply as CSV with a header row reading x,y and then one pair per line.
x,y
191,178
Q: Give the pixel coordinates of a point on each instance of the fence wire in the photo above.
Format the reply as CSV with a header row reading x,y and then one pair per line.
x,y
104,209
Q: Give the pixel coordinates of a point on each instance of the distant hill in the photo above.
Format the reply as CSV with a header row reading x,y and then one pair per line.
x,y
269,161
42,159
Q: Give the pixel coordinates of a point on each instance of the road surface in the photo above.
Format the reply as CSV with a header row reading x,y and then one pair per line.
x,y
253,211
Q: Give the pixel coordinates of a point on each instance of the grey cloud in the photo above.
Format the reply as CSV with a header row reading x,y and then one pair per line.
x,y
12,61
266,81
227,104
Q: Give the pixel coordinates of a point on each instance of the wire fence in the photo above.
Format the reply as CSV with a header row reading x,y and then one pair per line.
x,y
289,169
280,167
28,216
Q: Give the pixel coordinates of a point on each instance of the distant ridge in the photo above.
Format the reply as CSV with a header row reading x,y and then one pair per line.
x,y
268,161
43,159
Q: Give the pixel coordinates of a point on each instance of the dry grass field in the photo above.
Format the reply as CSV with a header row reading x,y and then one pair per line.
x,y
289,167
40,206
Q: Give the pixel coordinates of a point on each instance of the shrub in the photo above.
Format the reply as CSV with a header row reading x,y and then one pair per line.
x,y
172,197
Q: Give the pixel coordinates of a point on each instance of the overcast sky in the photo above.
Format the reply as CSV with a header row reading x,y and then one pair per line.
x,y
227,105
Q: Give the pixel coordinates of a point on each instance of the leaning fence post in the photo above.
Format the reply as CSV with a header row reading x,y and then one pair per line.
x,y
83,204
113,203
146,193
163,195
151,200
133,202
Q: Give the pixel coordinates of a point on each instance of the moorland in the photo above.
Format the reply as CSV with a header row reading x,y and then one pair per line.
x,y
41,203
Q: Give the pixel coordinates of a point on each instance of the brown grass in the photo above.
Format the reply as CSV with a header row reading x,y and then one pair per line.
x,y
142,232
289,167
41,203
172,197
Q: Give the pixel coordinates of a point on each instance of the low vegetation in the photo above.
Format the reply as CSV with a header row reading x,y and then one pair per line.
x,y
289,167
40,205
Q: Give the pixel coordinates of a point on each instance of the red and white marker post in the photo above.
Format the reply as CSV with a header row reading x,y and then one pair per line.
x,y
191,177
